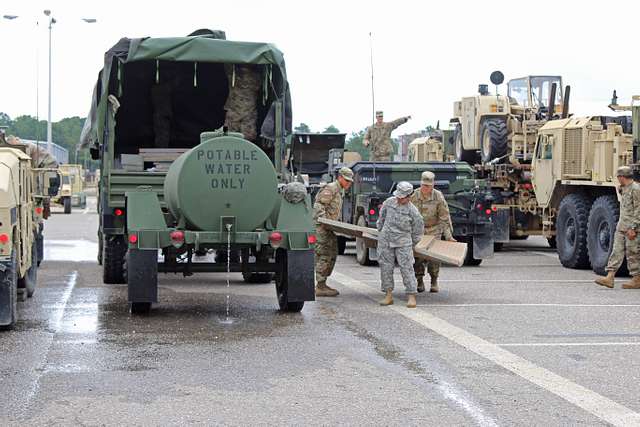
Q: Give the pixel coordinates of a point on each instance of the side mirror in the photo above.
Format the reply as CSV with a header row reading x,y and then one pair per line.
x,y
95,152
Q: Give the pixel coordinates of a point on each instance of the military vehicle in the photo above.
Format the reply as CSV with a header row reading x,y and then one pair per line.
x,y
46,186
504,127
71,192
171,183
18,251
312,155
469,200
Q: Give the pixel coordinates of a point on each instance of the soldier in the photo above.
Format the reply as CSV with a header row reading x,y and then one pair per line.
x,y
40,157
328,205
400,226
625,241
437,222
242,103
379,137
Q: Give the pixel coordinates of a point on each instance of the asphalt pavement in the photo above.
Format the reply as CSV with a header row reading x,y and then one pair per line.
x,y
518,340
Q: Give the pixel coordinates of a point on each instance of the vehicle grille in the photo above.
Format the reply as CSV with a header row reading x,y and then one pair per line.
x,y
572,152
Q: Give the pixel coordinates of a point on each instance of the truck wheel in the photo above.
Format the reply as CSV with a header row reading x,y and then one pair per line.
x,y
282,283
114,249
30,279
362,252
67,205
493,139
571,231
40,244
552,242
462,155
257,277
100,248
141,273
601,227
342,245
9,293
469,260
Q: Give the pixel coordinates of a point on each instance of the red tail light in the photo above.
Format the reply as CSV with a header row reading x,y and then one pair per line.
x,y
312,239
177,237
494,208
39,210
276,239
118,212
133,238
372,211
4,238
488,211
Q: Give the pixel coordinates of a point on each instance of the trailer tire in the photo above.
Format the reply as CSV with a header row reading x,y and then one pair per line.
x,y
571,231
114,249
462,155
362,252
493,139
469,260
342,245
67,205
257,277
603,219
553,244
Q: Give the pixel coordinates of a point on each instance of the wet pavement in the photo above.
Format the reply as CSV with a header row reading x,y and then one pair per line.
x,y
518,340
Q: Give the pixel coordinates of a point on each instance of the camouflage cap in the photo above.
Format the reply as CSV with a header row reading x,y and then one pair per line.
x,y
427,178
403,189
625,171
379,113
346,173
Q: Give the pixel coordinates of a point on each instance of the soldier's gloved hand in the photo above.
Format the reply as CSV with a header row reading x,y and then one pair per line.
x,y
631,234
365,142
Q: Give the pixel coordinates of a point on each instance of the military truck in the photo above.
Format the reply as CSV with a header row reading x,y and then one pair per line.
x,y
46,183
71,192
18,251
469,200
178,178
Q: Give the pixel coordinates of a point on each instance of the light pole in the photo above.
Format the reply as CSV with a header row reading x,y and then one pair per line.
x,y
52,21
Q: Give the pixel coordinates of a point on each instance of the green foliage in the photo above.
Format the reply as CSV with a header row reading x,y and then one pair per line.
x,y
354,143
302,128
331,129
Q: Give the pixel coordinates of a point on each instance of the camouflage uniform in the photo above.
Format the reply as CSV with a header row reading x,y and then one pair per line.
x,y
437,222
629,219
328,205
242,102
379,137
400,228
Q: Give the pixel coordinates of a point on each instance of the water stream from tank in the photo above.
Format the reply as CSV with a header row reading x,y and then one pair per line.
x,y
227,320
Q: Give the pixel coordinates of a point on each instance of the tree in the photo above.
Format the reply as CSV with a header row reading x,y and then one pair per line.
x,y
331,129
354,143
302,128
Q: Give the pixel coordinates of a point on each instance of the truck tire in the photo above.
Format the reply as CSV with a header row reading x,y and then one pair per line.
x,y
493,139
553,244
141,274
67,205
40,244
257,277
30,279
9,293
469,260
571,231
362,252
601,227
462,155
114,249
342,245
282,285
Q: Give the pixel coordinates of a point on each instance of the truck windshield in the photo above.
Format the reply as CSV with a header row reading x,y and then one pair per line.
x,y
541,90
518,90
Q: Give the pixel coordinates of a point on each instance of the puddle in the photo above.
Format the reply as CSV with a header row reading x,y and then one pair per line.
x,y
70,250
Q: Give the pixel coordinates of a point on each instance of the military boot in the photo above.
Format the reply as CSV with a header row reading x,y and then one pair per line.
x,y
606,281
633,284
434,285
420,284
411,301
322,290
388,298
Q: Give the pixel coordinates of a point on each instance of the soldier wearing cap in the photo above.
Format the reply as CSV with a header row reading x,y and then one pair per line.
x,y
378,136
328,205
400,229
625,241
437,222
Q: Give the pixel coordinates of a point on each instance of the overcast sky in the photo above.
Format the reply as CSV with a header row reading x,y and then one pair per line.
x,y
426,54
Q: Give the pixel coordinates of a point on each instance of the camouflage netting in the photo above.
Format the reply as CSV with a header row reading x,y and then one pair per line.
x,y
294,192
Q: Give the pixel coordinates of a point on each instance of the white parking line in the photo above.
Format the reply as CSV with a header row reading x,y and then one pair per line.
x,y
569,344
527,305
590,401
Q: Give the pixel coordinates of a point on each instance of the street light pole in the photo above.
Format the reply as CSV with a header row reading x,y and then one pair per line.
x,y
49,126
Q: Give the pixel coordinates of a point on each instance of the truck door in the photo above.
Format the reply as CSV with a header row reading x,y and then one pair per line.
x,y
469,124
542,166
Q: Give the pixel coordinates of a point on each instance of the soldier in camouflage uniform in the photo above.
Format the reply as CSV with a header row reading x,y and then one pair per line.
x,y
40,157
625,241
242,102
328,205
437,222
400,229
378,136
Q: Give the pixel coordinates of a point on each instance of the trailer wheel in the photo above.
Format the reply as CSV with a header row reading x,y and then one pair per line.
x,y
362,252
553,244
141,272
469,260
342,245
603,219
571,231
9,293
283,283
114,249
462,155
30,279
67,205
493,139
257,277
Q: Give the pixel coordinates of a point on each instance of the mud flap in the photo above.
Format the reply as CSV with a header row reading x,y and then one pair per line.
x,y
301,276
6,303
500,223
483,246
142,275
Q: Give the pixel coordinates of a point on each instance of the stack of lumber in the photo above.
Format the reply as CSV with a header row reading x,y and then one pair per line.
x,y
161,157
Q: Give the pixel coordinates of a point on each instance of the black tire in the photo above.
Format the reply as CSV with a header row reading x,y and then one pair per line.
x,y
571,231
498,246
462,155
469,260
516,237
493,139
100,248
601,227
9,306
201,252
282,286
257,277
30,279
140,308
362,252
67,205
40,245
114,249
342,245
553,244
